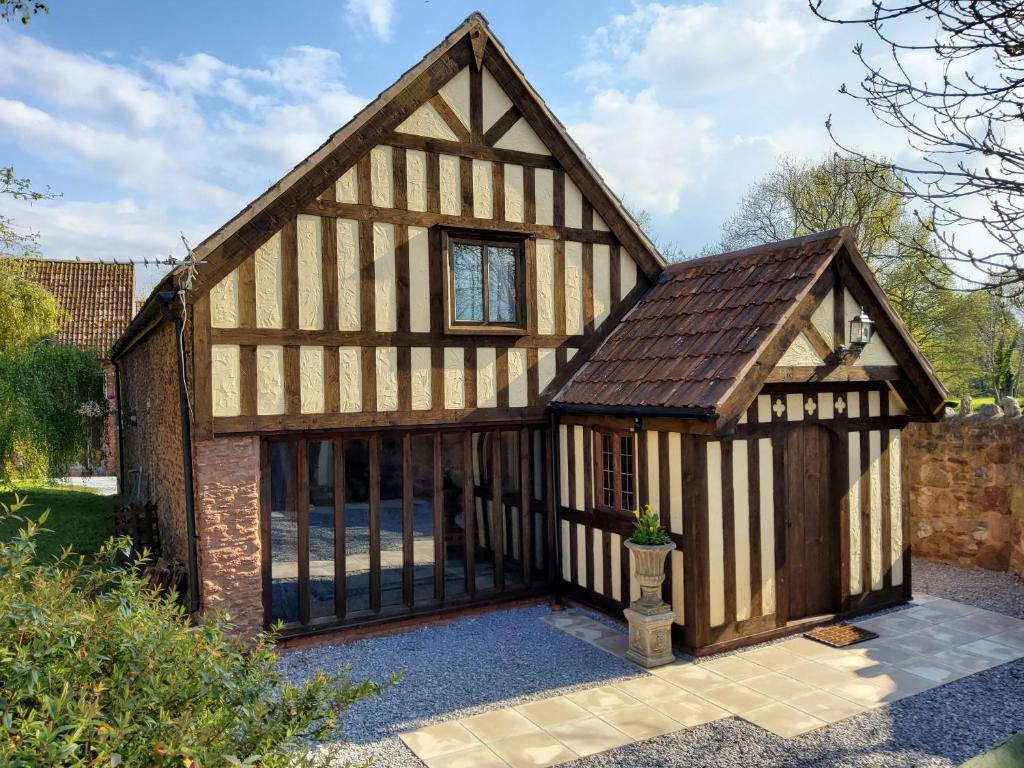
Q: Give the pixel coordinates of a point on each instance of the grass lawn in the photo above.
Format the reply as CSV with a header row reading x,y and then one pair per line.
x,y
979,401
78,518
1009,754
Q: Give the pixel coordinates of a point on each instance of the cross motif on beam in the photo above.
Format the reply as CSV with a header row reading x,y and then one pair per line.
x,y
840,404
810,406
779,407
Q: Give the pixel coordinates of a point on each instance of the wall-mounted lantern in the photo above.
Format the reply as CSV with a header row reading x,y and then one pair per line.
x,y
861,329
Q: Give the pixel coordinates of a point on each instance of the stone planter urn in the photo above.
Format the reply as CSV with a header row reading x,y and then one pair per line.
x,y
650,618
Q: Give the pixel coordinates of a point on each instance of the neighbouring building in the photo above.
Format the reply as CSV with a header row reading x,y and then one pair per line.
x,y
437,364
99,302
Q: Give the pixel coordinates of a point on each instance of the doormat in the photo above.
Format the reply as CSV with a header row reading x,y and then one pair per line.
x,y
841,635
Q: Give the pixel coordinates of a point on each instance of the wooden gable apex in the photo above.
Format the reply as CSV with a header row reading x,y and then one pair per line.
x,y
803,347
416,103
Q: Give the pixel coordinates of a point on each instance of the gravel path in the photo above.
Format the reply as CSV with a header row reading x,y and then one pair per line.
x,y
509,657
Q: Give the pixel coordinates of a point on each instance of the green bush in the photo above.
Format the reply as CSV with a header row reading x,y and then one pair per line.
x,y
96,669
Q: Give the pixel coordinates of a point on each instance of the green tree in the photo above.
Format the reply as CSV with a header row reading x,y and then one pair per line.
x,y
28,312
97,668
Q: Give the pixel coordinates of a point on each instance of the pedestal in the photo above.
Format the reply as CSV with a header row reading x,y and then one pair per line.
x,y
650,637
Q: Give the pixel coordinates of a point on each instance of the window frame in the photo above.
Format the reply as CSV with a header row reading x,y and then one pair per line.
x,y
484,238
616,436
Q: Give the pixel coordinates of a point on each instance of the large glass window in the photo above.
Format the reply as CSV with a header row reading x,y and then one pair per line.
x,y
284,523
391,522
321,528
453,468
357,526
486,281
616,480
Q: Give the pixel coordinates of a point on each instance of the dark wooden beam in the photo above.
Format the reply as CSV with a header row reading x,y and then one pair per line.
x,y
811,373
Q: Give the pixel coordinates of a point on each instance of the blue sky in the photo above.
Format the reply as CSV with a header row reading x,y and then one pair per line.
x,y
154,119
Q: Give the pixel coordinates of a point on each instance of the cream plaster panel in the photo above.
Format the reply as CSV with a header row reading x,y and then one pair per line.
x,y
382,190
716,552
419,285
875,478
224,302
450,182
496,101
573,204
346,188
895,507
615,546
653,471
627,273
348,274
269,380
573,288
801,352
741,527
308,233
822,319
420,374
599,223
566,556
875,353
874,403
570,353
853,494
386,304
853,405
597,554
850,309
268,283
545,368
678,596
896,405
350,375
513,193
764,409
766,505
545,258
794,407
675,482
311,379
581,555
387,378
522,138
602,284
742,419
486,378
225,377
454,378
416,180
483,190
517,386
825,406
563,465
544,195
577,441
456,93
426,121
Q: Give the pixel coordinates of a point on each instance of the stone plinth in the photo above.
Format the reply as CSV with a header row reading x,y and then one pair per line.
x,y
650,637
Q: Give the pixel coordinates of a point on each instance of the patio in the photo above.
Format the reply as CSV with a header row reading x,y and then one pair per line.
x,y
532,687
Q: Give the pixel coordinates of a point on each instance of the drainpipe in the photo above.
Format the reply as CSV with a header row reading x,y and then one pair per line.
x,y
555,565
167,299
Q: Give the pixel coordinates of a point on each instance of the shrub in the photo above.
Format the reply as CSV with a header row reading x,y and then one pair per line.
x,y
97,669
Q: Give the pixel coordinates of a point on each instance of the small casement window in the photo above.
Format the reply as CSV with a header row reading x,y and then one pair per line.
x,y
485,284
616,480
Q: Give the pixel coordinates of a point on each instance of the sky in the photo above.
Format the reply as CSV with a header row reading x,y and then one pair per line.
x,y
157,120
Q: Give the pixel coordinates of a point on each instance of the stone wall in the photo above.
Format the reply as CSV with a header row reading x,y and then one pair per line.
x,y
966,483
151,434
227,482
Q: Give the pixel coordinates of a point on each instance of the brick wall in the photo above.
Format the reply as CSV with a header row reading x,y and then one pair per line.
x,y
966,477
227,479
151,434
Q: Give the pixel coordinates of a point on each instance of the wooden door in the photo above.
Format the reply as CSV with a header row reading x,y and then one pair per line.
x,y
812,524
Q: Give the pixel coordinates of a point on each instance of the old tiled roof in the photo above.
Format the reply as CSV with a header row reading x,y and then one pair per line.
x,y
696,333
99,299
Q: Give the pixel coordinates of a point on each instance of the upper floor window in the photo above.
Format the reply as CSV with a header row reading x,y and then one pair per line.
x,y
616,482
485,282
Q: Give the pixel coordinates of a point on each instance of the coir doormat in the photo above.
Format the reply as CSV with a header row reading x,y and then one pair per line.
x,y
841,635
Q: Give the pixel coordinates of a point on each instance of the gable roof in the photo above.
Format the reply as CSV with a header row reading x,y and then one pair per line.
x,y
707,335
99,299
470,44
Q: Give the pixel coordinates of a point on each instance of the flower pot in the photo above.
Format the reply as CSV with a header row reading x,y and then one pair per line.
x,y
649,565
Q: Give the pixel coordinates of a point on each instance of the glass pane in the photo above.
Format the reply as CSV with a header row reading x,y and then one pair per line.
x,y
468,266
423,518
626,451
511,508
608,470
501,284
284,521
452,469
357,526
390,522
321,528
482,508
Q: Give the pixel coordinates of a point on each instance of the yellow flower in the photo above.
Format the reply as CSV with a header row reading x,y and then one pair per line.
x,y
636,513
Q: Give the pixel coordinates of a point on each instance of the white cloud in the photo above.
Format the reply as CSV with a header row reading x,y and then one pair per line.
x,y
688,50
378,15
649,154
